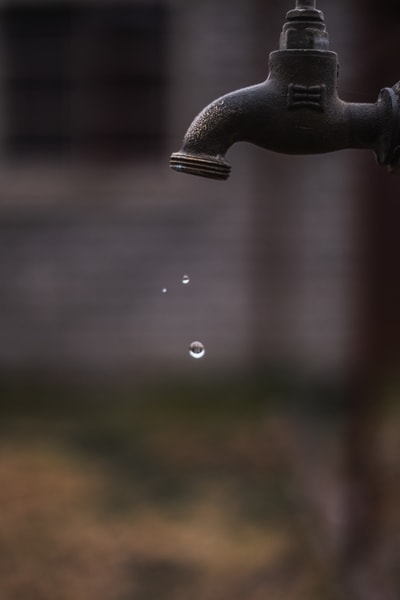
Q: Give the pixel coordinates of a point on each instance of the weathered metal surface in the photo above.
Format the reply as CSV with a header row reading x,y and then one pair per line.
x,y
297,109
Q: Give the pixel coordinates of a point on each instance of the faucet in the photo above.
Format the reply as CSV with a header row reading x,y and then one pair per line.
x,y
297,109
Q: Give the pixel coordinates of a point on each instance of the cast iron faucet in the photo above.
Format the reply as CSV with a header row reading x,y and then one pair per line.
x,y
296,110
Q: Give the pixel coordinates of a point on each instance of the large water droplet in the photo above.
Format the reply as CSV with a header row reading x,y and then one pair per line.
x,y
197,350
185,279
164,290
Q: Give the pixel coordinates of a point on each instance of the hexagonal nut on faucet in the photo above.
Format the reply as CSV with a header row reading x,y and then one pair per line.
x,y
307,38
305,13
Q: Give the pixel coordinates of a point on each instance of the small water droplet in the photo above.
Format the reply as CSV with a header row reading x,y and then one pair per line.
x,y
221,102
185,279
164,290
197,350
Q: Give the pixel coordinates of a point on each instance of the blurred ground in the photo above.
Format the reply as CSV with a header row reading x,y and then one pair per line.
x,y
210,491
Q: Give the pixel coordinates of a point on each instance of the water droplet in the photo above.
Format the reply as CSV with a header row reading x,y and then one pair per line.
x,y
221,102
164,290
196,350
185,279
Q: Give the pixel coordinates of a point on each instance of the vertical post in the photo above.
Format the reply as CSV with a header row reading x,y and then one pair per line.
x,y
369,555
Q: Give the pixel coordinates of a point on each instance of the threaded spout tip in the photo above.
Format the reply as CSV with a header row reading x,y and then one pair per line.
x,y
204,166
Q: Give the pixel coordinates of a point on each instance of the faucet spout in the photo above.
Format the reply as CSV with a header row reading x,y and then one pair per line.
x,y
296,110
229,119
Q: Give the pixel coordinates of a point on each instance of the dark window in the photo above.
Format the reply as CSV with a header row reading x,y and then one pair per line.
x,y
85,80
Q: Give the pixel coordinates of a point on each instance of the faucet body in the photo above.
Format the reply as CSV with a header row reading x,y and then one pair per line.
x,y
295,111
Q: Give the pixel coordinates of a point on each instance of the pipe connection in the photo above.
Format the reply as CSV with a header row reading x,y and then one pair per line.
x,y
296,110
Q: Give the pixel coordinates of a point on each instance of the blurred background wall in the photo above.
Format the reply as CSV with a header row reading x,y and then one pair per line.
x,y
128,469
95,95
